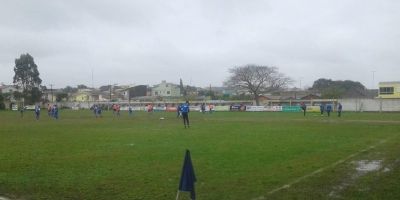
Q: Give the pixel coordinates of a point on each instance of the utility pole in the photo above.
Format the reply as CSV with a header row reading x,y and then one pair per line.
x,y
210,93
373,79
110,98
300,82
92,80
51,90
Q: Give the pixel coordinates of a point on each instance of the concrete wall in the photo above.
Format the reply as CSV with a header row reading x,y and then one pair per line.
x,y
354,105
377,105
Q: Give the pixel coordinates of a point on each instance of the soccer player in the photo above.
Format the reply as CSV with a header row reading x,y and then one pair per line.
x,y
303,107
329,109
114,109
55,111
99,111
178,111
339,110
21,111
130,110
322,108
37,112
203,108
118,107
185,113
95,110
49,108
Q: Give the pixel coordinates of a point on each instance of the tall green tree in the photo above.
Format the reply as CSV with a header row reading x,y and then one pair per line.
x,y
256,80
81,86
27,77
61,96
182,89
2,105
70,89
338,89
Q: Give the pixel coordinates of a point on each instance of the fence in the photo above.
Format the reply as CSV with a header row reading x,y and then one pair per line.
x,y
355,105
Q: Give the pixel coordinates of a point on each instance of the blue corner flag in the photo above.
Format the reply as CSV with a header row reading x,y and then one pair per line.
x,y
188,178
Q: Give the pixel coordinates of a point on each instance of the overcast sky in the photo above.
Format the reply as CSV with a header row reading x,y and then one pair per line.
x,y
144,42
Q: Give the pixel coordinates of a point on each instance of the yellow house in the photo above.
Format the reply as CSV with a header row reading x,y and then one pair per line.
x,y
389,90
82,96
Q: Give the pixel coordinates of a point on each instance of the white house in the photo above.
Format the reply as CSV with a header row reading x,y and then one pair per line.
x,y
9,89
165,89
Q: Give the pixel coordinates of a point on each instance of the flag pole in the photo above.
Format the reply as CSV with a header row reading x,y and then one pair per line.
x,y
177,195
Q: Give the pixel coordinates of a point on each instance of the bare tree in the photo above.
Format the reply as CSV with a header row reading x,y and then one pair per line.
x,y
257,79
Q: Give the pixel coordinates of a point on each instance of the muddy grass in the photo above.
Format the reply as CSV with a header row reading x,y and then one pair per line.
x,y
236,156
364,176
365,166
362,168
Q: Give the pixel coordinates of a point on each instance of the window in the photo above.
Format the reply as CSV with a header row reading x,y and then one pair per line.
x,y
386,90
168,92
156,93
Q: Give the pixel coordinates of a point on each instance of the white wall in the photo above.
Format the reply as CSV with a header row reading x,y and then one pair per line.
x,y
385,105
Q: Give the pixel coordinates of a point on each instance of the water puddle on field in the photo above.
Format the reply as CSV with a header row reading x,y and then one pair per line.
x,y
365,166
386,170
362,168
3,198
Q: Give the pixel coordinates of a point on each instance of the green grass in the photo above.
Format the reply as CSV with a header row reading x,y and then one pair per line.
x,y
235,155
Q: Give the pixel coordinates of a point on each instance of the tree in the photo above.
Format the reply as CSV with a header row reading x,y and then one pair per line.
x,y
182,89
257,79
2,106
18,95
61,96
70,89
34,95
105,88
82,86
27,77
338,89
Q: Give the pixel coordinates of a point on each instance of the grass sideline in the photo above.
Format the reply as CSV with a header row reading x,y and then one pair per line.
x,y
240,155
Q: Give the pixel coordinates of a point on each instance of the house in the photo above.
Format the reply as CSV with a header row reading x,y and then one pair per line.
x,y
9,89
51,95
389,90
224,91
165,89
136,91
310,97
84,95
297,94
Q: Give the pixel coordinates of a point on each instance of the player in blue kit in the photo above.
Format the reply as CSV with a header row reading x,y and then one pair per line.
x,y
185,113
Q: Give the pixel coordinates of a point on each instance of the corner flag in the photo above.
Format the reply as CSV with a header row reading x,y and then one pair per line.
x,y
187,178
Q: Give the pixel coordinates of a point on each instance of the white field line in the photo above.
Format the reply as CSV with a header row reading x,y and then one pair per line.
x,y
320,170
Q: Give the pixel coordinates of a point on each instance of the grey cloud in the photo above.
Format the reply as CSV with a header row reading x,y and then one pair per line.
x,y
144,42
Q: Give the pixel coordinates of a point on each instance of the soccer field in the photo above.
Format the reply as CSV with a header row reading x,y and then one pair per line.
x,y
236,155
